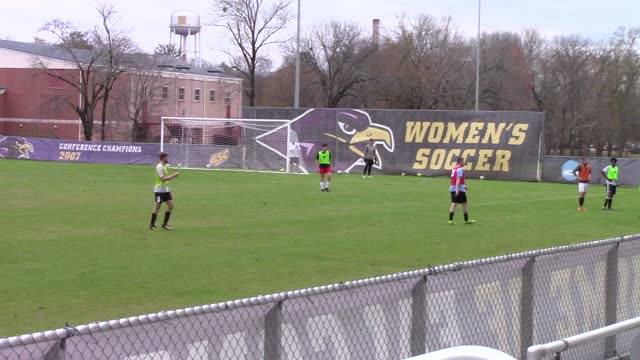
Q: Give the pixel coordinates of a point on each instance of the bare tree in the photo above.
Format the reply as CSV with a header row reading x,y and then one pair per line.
x,y
116,46
428,64
336,53
143,95
251,25
169,50
86,80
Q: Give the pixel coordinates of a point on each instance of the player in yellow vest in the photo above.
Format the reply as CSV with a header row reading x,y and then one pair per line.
x,y
610,173
162,193
323,162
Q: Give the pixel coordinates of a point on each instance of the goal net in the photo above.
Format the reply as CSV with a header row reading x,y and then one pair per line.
x,y
230,144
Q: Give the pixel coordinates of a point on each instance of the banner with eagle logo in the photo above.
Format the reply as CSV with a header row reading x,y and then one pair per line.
x,y
497,145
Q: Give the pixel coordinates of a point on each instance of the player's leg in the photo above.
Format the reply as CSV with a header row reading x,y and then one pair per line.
x,y
322,179
606,200
154,212
611,195
452,208
582,189
366,166
167,214
370,166
328,182
465,210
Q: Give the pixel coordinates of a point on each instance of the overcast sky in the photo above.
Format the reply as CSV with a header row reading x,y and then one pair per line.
x,y
148,20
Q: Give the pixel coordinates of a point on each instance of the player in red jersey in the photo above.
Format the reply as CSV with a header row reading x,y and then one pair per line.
x,y
324,160
458,190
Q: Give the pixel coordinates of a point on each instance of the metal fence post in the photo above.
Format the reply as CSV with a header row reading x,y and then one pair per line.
x,y
419,317
611,298
526,307
273,333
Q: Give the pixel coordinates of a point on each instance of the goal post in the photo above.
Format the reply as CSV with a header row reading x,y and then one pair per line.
x,y
230,144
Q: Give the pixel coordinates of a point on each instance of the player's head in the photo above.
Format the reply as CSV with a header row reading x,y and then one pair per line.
x,y
371,141
460,161
585,160
324,147
613,161
164,157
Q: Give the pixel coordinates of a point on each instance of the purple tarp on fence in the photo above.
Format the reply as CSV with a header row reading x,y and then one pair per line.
x,y
15,147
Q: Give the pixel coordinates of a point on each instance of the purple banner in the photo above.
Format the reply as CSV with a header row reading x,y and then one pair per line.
x,y
24,148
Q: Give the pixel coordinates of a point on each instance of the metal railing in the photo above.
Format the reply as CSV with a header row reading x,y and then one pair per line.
x,y
507,302
540,352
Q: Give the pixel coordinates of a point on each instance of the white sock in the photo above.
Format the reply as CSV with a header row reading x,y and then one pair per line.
x,y
321,185
326,184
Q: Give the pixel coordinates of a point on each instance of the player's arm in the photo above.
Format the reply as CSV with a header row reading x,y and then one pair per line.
x,y
168,177
575,171
604,173
458,184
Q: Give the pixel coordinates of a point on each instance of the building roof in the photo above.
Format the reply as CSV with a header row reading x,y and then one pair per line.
x,y
164,63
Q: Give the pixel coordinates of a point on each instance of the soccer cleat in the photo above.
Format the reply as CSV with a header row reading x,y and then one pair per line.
x,y
470,222
580,208
451,222
327,190
166,227
322,190
370,177
604,208
152,227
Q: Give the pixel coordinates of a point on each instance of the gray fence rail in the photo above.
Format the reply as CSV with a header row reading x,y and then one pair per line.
x,y
507,302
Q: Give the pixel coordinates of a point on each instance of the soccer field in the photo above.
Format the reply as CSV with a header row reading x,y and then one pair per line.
x,y
75,245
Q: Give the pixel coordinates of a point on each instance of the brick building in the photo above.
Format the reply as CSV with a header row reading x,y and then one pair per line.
x,y
35,104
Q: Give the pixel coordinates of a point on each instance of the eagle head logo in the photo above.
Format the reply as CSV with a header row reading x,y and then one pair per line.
x,y
219,158
16,148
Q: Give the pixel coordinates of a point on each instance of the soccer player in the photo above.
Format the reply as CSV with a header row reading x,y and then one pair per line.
x,y
162,193
583,173
458,190
323,162
611,174
294,156
369,158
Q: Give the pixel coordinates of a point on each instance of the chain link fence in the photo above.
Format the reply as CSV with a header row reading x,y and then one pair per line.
x,y
506,303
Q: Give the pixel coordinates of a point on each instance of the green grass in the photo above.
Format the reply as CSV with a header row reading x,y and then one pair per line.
x,y
75,245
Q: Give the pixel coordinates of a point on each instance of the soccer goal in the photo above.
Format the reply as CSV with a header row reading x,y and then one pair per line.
x,y
230,144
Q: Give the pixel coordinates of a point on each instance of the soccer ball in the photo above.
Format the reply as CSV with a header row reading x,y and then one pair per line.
x,y
481,177
281,170
208,165
346,171
419,174
179,165
339,171
403,174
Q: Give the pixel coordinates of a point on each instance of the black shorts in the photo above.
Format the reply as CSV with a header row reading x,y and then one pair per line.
x,y
163,197
460,199
294,160
611,188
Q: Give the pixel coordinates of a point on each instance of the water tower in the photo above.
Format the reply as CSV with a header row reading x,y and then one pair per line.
x,y
185,24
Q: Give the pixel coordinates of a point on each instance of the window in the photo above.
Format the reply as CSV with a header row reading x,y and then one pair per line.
x,y
181,94
165,92
227,97
212,96
196,95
